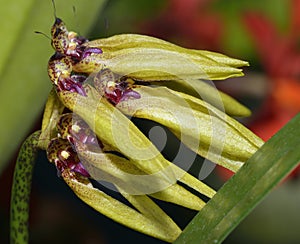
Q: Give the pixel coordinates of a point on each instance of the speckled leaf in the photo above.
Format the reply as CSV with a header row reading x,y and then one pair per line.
x,y
21,188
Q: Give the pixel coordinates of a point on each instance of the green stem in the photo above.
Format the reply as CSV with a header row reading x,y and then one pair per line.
x,y
19,210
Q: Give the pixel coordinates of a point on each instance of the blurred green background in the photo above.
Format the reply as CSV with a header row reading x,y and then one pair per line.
x,y
265,33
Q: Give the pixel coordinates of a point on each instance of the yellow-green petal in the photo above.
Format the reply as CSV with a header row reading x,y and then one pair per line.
x,y
133,181
150,59
116,130
200,126
120,212
52,111
206,91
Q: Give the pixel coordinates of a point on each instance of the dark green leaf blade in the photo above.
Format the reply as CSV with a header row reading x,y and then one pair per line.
x,y
266,168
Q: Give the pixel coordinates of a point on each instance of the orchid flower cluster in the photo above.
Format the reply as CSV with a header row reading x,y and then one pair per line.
x,y
88,135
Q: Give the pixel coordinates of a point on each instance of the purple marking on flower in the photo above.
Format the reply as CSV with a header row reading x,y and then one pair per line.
x,y
72,85
73,53
114,96
119,95
130,94
62,154
114,87
83,134
79,40
71,162
80,90
60,167
90,50
78,168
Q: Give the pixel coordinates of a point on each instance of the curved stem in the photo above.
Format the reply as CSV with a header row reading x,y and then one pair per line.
x,y
19,207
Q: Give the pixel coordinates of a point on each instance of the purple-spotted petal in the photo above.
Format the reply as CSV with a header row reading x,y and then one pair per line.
x,y
87,52
81,170
130,94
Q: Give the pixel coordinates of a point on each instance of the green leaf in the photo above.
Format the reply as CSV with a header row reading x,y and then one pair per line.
x,y
266,168
232,12
24,82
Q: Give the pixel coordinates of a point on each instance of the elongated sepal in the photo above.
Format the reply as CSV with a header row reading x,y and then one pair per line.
x,y
150,59
200,126
151,220
114,129
133,181
207,91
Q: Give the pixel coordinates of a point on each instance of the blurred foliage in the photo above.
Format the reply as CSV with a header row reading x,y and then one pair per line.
x,y
125,16
237,40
